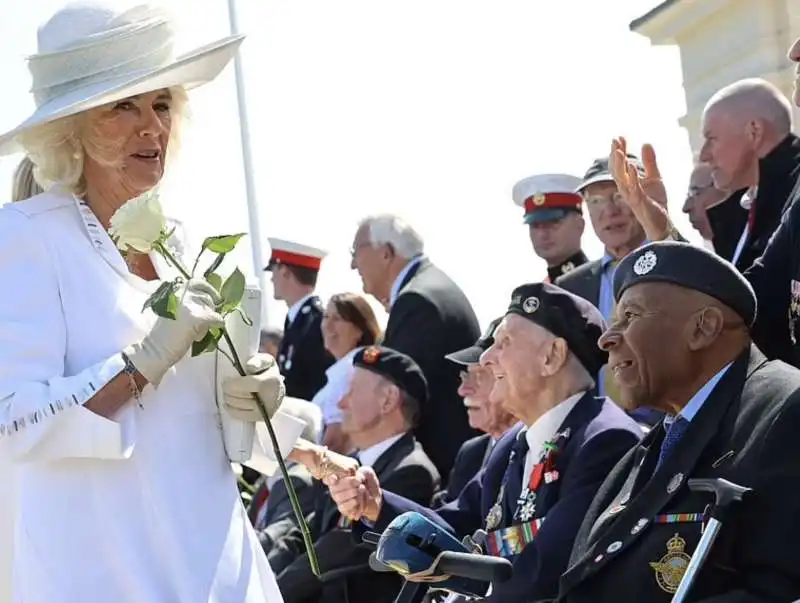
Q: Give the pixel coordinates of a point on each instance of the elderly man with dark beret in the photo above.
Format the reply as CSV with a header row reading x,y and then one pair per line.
x,y
385,399
680,343
542,475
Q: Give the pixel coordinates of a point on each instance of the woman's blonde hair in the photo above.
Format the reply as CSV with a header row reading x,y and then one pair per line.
x,y
24,185
57,149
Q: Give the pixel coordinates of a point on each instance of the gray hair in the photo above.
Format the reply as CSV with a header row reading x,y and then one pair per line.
x,y
24,185
388,229
307,412
57,149
755,98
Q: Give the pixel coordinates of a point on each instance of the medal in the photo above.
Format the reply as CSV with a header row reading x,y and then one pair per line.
x,y
494,517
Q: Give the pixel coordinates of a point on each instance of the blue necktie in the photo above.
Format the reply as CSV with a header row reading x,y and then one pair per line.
x,y
674,433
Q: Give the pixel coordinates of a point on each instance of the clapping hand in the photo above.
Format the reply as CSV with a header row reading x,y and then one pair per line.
x,y
357,496
643,193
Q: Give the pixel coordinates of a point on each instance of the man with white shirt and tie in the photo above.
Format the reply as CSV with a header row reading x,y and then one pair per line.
x,y
302,357
387,393
541,477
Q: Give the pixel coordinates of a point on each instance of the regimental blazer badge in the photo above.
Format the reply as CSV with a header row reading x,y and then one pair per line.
x,y
671,567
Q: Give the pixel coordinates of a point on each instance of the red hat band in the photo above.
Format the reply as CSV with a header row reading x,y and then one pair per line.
x,y
552,200
295,259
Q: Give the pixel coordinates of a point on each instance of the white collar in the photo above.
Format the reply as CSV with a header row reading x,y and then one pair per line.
x,y
295,308
368,456
748,197
401,277
545,427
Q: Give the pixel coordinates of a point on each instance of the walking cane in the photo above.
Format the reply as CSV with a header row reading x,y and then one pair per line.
x,y
725,493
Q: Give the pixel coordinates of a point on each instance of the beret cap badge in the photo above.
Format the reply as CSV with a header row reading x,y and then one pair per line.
x,y
530,305
371,355
645,263
539,199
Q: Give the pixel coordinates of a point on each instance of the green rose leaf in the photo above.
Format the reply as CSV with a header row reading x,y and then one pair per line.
x,y
215,280
223,243
215,264
163,301
207,343
232,291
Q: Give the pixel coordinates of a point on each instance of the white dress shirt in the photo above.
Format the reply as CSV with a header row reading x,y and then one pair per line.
x,y
368,456
337,385
543,430
100,516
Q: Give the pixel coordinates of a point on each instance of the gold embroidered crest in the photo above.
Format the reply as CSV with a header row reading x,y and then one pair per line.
x,y
671,567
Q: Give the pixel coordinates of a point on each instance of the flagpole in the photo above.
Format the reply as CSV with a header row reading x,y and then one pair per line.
x,y
247,160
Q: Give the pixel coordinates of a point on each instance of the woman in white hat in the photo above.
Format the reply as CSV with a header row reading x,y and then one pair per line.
x,y
125,493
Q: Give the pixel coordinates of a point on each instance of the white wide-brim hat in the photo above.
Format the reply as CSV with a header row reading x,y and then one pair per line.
x,y
90,54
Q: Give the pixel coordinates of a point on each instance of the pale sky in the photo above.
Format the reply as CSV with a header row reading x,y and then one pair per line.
x,y
431,109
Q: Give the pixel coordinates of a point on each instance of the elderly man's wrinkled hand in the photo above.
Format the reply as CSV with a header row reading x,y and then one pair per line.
x,y
264,379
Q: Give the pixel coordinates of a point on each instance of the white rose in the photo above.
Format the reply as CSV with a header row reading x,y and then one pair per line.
x,y
138,224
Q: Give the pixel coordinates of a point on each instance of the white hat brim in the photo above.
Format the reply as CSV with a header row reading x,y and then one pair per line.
x,y
188,71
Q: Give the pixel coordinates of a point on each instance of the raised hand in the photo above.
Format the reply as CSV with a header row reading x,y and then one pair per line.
x,y
643,193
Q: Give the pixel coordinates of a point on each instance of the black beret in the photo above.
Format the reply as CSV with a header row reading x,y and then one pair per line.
x,y
472,354
396,367
691,267
600,171
565,315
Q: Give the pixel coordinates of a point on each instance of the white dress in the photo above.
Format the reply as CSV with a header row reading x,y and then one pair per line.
x,y
141,508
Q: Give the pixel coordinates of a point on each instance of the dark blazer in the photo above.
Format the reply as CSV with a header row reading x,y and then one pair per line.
x,y
746,432
584,281
404,467
600,434
565,267
302,357
280,536
727,220
430,318
777,175
469,460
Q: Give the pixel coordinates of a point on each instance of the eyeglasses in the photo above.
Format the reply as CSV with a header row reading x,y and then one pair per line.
x,y
354,249
615,197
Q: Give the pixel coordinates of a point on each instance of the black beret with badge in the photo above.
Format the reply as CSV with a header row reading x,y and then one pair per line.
x,y
472,354
688,266
565,315
396,367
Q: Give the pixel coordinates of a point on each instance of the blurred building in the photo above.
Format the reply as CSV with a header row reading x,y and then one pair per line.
x,y
721,41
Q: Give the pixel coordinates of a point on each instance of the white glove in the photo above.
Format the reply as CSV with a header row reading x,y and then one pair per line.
x,y
263,378
169,340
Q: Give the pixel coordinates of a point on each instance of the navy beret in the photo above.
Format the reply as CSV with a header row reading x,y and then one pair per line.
x,y
396,367
688,266
565,315
472,354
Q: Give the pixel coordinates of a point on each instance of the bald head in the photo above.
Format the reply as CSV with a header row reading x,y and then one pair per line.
x,y
743,123
754,99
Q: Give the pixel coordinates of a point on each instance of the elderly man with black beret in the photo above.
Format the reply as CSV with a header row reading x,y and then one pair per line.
x,y
542,475
385,399
680,343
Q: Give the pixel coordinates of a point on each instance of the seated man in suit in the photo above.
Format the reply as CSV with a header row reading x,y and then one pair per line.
x,y
270,510
385,398
620,232
680,344
486,414
541,477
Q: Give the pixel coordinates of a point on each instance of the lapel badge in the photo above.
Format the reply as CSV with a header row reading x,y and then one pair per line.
x,y
530,305
645,263
671,567
640,525
567,267
494,517
722,459
614,547
675,483
616,509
